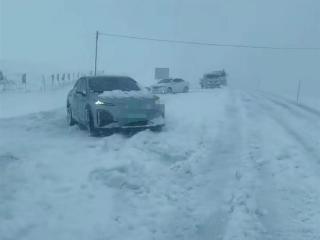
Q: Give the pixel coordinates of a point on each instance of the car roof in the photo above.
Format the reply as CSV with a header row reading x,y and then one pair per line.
x,y
110,77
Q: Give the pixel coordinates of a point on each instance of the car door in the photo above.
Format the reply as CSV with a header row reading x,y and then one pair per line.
x,y
82,100
175,85
184,85
74,98
178,85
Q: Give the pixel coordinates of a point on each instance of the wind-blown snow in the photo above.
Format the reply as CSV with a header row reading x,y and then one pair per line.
x,y
228,165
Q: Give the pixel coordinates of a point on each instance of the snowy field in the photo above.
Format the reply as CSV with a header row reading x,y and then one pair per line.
x,y
17,103
228,165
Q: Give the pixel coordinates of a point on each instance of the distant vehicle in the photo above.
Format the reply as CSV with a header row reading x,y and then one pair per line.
x,y
1,76
2,88
108,103
170,85
214,79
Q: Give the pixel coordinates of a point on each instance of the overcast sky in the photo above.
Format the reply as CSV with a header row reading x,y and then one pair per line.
x,y
60,34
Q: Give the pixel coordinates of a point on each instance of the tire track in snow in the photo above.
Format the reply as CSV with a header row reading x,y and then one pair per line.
x,y
244,223
199,177
226,147
287,102
310,117
263,192
205,189
291,204
311,150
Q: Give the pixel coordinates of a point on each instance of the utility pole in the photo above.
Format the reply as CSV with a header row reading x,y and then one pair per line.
x,y
298,91
259,84
96,56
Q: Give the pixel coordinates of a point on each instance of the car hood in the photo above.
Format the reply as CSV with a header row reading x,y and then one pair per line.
x,y
127,97
126,94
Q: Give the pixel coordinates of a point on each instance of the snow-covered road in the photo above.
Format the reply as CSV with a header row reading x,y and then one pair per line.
x,y
228,165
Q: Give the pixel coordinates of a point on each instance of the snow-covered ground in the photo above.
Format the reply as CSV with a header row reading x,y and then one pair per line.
x,y
17,103
228,165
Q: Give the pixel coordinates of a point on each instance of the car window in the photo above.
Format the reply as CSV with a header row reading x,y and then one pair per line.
x,y
80,85
177,80
76,85
210,76
101,84
165,81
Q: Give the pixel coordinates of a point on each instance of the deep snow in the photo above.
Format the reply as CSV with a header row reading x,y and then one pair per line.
x,y
18,103
228,165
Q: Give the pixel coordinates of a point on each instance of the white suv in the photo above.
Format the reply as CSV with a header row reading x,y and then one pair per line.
x,y
170,85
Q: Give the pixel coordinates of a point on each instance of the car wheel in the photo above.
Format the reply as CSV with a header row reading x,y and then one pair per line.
x,y
186,89
90,124
169,90
70,119
156,128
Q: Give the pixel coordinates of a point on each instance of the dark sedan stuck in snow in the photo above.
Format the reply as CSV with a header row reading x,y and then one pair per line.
x,y
108,103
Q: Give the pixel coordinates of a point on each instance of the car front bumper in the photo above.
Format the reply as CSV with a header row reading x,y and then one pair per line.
x,y
136,124
129,118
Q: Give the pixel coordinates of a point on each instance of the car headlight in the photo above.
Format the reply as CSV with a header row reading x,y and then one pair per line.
x,y
98,102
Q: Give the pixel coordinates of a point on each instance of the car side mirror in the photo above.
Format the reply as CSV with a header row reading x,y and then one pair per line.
x,y
82,93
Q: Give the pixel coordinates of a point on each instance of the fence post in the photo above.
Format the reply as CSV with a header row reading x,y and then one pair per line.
x,y
43,82
298,92
24,80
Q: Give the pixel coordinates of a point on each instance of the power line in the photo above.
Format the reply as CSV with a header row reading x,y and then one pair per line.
x,y
205,43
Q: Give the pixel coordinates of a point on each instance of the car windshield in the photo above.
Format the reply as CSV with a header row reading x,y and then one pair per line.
x,y
165,81
211,76
101,84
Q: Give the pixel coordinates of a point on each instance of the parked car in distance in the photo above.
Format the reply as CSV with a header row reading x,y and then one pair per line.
x,y
170,85
214,79
109,103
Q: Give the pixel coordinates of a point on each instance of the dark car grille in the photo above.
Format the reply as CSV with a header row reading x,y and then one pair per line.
x,y
138,123
104,118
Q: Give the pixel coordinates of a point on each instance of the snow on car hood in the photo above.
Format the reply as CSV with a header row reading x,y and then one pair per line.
x,y
124,94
